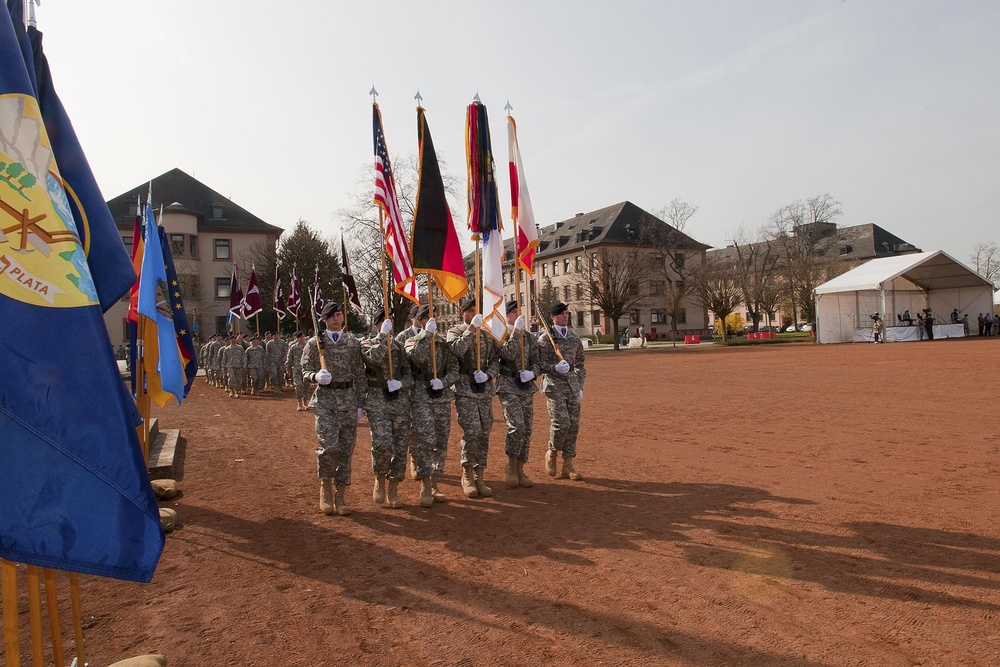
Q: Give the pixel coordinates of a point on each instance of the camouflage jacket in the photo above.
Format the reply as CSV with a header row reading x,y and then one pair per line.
x,y
572,351
375,352
462,341
418,352
343,360
511,364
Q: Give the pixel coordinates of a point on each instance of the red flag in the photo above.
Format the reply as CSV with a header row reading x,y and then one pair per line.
x,y
395,234
294,296
252,301
138,247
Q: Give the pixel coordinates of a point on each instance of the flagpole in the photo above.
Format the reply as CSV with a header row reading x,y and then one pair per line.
x,y
479,283
35,614
385,285
430,311
11,636
51,604
517,252
74,598
555,348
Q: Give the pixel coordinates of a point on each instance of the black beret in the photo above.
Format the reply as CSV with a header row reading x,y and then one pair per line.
x,y
423,311
558,308
330,308
298,333
467,303
511,305
414,309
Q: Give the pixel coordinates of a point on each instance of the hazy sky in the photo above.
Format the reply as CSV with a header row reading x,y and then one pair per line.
x,y
738,107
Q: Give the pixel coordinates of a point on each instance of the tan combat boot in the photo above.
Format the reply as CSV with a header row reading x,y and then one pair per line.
x,y
550,462
522,479
378,493
510,470
426,492
343,509
469,482
436,492
326,496
392,495
568,471
481,487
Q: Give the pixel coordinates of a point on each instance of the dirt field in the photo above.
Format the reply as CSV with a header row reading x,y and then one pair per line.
x,y
793,505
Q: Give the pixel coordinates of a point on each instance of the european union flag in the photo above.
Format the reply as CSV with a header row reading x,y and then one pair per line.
x,y
74,489
182,330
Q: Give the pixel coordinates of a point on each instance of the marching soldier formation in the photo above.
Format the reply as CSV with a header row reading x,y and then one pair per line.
x,y
406,385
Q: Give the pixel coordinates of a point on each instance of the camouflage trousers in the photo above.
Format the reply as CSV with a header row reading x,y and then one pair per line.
x,y
518,412
475,417
234,378
277,375
256,380
390,429
337,431
431,428
564,411
301,393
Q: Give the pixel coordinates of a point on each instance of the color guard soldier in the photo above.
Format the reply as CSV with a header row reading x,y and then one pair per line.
x,y
562,384
516,389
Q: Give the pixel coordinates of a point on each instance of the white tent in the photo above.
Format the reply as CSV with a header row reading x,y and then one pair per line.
x,y
892,285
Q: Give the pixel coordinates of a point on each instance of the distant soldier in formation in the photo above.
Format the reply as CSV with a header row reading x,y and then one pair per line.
x,y
516,389
234,360
277,352
479,364
255,366
339,397
293,364
387,405
215,362
562,384
418,316
435,371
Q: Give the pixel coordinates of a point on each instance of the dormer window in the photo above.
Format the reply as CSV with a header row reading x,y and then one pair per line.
x,y
846,250
133,209
217,212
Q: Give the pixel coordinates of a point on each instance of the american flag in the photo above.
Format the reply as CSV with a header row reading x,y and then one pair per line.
x,y
385,197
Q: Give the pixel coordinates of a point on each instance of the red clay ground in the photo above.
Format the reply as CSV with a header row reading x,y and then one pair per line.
x,y
793,505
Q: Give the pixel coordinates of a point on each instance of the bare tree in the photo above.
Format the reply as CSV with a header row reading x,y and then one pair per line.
x,y
805,230
716,286
756,262
985,259
669,264
615,283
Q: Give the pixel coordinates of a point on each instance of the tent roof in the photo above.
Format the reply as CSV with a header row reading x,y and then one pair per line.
x,y
928,270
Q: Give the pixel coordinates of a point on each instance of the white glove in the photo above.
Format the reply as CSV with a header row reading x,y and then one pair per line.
x,y
324,377
519,323
431,325
527,376
437,384
562,367
393,385
579,396
359,413
386,327
477,322
480,377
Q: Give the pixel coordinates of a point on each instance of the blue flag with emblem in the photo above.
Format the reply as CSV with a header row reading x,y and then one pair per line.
x,y
74,489
179,318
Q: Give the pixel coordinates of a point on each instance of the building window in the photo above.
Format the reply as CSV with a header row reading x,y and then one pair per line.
x,y
222,288
595,317
222,249
504,278
555,268
633,317
176,245
545,270
593,260
127,240
656,256
679,260
566,292
658,317
682,316
579,318
578,263
579,291
566,265
656,287
217,212
679,286
846,250
193,245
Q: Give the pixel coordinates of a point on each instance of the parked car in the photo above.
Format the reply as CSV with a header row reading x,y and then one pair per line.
x,y
791,328
807,327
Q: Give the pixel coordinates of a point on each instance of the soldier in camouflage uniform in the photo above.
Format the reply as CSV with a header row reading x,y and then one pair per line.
x,y
339,397
293,363
218,370
562,384
516,389
234,360
479,364
435,371
203,358
388,408
255,366
277,351
418,316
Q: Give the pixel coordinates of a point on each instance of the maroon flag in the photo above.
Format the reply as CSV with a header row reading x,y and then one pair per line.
x,y
235,294
294,296
396,246
252,301
278,303
349,283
